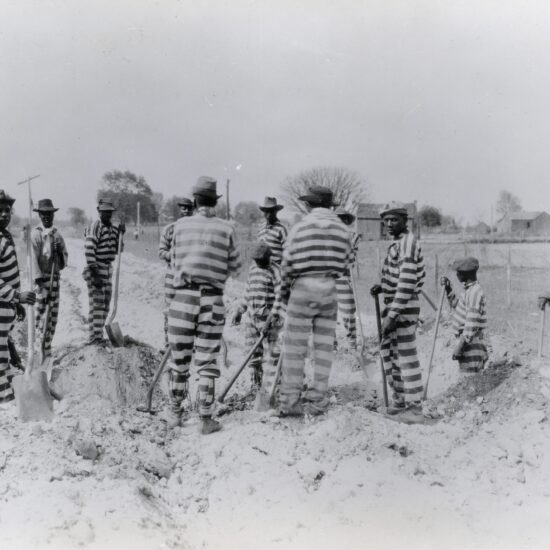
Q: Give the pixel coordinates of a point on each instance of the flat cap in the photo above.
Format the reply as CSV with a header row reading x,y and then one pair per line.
x,y
466,264
184,201
342,213
393,207
104,205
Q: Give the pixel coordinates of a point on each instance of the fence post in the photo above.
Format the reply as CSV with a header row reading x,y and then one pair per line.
x,y
378,264
436,274
509,277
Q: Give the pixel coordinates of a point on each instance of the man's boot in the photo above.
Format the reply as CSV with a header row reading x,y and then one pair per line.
x,y
173,415
209,425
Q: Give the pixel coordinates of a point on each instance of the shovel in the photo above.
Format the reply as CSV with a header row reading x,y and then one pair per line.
x,y
32,394
361,355
149,399
379,327
47,315
111,328
438,317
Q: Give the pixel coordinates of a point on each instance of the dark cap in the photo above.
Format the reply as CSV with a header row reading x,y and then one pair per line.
x,y
466,264
5,198
394,207
105,206
184,201
319,196
206,187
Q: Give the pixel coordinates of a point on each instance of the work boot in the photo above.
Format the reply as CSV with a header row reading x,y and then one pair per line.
x,y
295,410
209,425
396,407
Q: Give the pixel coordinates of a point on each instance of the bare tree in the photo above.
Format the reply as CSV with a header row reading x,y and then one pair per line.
x,y
507,202
349,191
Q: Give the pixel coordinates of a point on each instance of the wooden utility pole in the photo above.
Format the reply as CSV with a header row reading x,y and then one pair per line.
x,y
228,208
138,220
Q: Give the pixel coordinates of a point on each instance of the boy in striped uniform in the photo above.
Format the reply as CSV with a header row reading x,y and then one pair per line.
x,y
101,248
469,317
11,298
402,279
263,283
318,251
48,245
272,232
165,252
204,254
344,290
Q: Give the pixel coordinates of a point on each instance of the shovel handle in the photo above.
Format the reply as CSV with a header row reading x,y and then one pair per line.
x,y
258,343
117,278
156,377
379,327
438,317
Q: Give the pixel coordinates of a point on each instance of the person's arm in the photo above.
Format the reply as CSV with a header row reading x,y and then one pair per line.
x,y
234,264
475,314
60,249
36,243
90,245
165,244
451,296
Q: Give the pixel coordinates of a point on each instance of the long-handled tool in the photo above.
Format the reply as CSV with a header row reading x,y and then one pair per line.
x,y
437,318
361,355
149,399
111,328
379,327
541,333
264,398
258,343
48,310
32,395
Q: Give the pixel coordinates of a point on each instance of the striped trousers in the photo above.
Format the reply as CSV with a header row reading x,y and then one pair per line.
x,y
346,307
474,354
195,324
45,332
7,318
312,308
398,351
99,299
268,354
168,296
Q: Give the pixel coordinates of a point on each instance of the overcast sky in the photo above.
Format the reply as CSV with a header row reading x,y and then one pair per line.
x,y
445,102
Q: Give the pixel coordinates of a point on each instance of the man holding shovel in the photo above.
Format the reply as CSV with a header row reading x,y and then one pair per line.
x,y
11,298
272,232
204,254
402,279
185,206
101,247
49,257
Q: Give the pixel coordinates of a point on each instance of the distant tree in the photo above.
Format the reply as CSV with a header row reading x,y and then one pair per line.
x,y
77,216
507,203
247,213
448,221
125,190
429,216
348,189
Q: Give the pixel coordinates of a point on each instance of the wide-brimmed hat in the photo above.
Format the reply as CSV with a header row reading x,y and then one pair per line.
x,y
341,213
45,205
319,196
206,187
184,201
105,206
466,264
270,203
260,251
394,207
5,198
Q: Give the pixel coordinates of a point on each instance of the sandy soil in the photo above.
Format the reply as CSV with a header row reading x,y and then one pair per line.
x,y
102,475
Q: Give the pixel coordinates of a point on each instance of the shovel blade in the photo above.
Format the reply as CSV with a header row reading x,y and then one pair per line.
x,y
32,397
115,335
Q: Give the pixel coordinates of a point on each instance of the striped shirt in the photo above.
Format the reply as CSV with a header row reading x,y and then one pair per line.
x,y
261,289
402,273
9,269
42,240
275,237
101,245
355,240
318,246
469,311
204,250
165,246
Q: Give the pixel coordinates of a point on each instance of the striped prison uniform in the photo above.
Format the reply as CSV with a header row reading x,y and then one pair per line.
x,y
318,251
469,323
101,247
346,300
165,253
42,240
9,296
204,254
275,236
402,279
261,289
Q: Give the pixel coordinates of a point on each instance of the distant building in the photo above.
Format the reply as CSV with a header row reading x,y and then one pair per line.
x,y
528,223
370,226
480,228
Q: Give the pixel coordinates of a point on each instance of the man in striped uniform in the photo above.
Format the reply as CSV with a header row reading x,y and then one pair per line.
x,y
318,251
165,253
469,317
263,283
101,247
204,254
402,279
272,232
49,253
11,298
344,290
